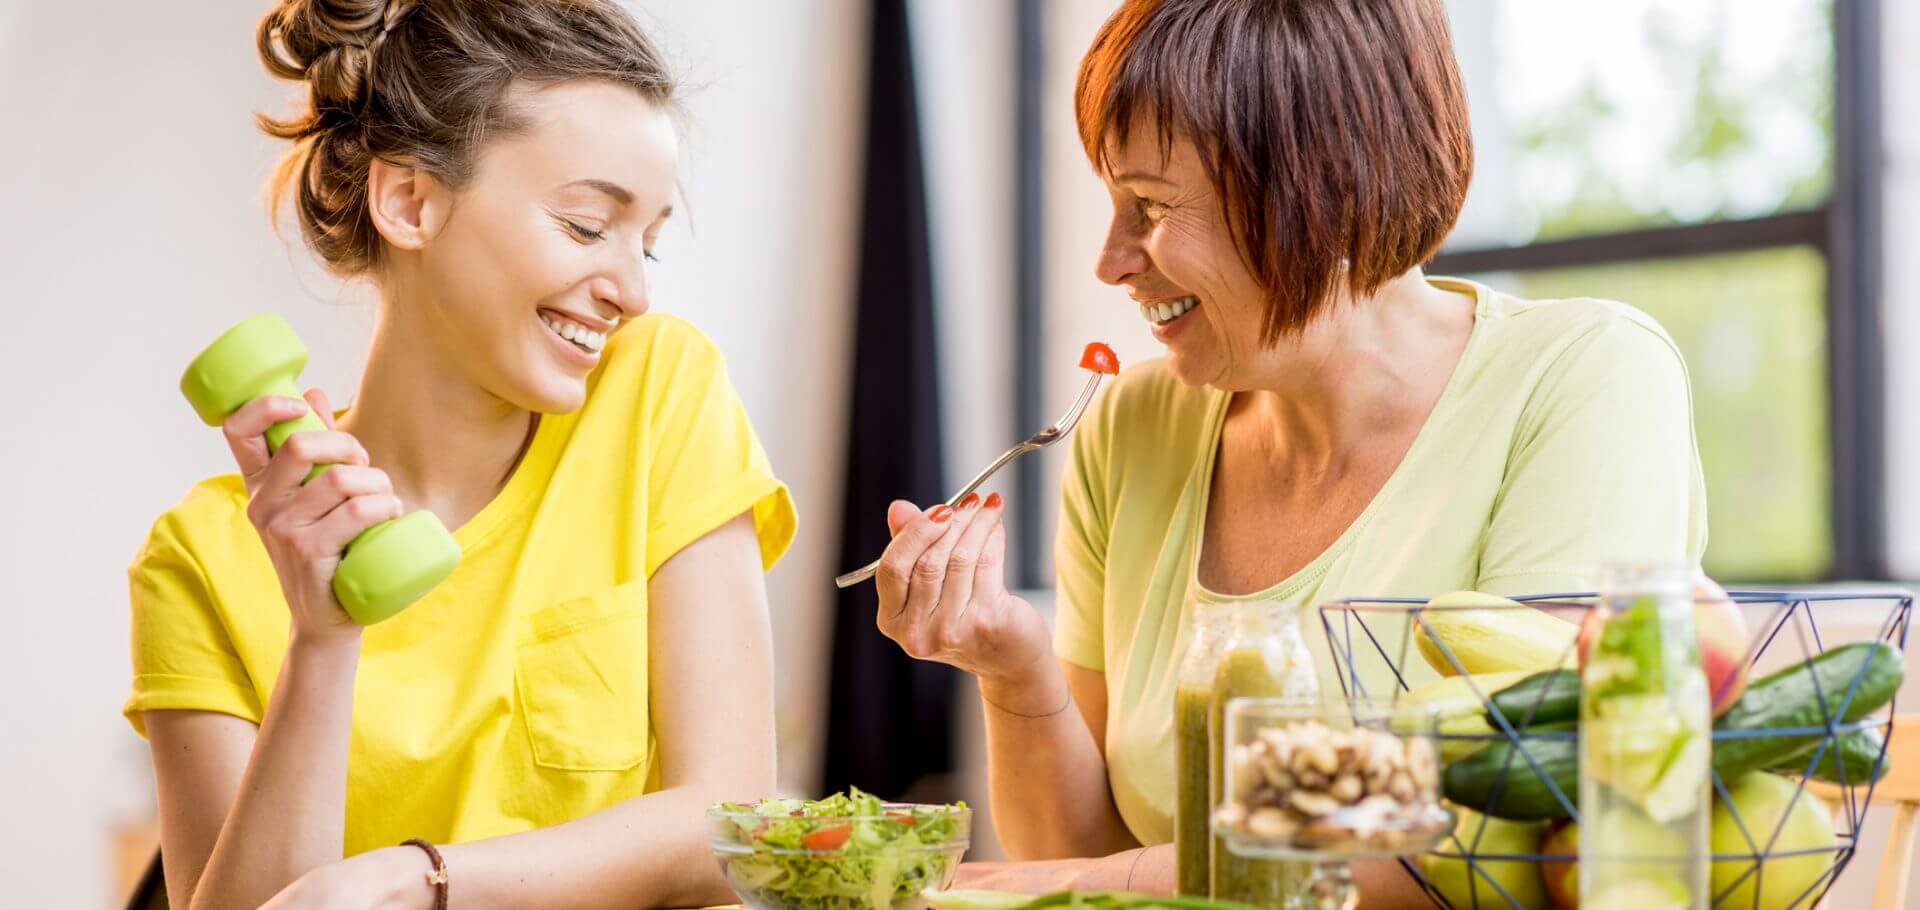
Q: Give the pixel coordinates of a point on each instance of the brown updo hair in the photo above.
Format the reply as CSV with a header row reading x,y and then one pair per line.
x,y
423,83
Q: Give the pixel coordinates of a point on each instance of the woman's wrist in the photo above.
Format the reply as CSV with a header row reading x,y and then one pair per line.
x,y
1039,691
331,646
405,876
321,660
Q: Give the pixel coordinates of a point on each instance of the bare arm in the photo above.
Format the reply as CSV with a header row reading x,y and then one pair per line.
x,y
1150,870
1046,766
245,810
943,597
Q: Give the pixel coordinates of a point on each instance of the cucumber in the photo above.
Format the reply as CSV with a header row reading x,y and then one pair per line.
x,y
1475,782
1788,699
1783,700
1547,697
1856,751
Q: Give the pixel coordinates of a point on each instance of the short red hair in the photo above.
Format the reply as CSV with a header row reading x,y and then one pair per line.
x,y
1330,129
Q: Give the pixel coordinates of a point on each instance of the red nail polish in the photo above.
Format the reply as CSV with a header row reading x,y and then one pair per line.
x,y
941,513
973,499
994,500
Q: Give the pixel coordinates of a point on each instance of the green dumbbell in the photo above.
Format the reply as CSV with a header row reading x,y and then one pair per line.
x,y
388,566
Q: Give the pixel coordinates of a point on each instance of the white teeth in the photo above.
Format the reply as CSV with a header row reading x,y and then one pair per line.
x,y
588,339
1166,312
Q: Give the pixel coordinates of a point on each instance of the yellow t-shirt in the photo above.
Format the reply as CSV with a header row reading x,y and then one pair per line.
x,y
1563,439
515,695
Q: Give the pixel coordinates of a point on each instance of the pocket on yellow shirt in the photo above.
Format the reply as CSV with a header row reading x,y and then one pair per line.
x,y
581,675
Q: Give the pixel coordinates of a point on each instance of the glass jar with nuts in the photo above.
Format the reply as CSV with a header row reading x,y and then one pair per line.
x,y
1330,780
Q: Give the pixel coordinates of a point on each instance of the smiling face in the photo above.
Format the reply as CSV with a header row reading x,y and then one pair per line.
x,y
1313,152
1170,247
545,251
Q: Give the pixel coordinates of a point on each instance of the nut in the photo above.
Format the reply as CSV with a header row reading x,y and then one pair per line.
x,y
1401,787
1380,805
1232,815
1322,757
1311,803
1320,788
1246,782
1423,765
1270,823
1377,776
1299,762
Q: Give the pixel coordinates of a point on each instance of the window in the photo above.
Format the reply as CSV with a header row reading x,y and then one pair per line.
x,y
1690,159
1752,326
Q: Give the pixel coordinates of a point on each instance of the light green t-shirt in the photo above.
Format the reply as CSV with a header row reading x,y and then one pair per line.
x,y
1563,440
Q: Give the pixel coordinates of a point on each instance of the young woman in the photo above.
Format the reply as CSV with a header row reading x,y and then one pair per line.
x,y
557,714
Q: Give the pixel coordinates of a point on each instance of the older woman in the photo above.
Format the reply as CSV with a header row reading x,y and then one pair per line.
x,y
1328,420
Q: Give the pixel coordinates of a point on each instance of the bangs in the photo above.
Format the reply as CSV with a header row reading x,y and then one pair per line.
x,y
1334,132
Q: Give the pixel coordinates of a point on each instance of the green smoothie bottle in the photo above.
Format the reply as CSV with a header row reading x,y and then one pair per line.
x,y
1264,654
1207,629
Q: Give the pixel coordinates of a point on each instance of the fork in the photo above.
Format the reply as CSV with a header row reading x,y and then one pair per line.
x,y
1054,432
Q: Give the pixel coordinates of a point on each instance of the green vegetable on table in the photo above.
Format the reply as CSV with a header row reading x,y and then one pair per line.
x,y
1498,780
1794,697
1546,697
1783,700
809,854
1856,757
1072,900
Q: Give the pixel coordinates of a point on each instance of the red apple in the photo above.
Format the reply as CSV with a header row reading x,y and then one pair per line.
x,y
1589,632
1721,631
1562,876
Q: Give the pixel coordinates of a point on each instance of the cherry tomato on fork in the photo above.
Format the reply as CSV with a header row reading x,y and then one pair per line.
x,y
1100,359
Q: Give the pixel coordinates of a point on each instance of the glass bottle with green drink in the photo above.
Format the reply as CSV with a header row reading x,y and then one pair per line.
x,y
1646,728
1207,630
1264,654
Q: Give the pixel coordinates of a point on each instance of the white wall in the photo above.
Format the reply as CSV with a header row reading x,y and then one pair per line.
x,y
1901,183
132,231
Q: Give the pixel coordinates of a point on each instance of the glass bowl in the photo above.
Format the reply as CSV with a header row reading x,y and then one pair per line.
x,y
1330,779
775,858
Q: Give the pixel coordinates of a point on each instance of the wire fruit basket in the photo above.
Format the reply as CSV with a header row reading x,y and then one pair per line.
x,y
1796,752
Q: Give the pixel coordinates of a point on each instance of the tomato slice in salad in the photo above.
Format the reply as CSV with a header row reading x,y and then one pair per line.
x,y
827,838
1100,359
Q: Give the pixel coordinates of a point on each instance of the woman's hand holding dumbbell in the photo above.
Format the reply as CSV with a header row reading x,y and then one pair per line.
x,y
305,525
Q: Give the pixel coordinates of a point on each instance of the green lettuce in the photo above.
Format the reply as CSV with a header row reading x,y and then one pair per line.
x,y
806,855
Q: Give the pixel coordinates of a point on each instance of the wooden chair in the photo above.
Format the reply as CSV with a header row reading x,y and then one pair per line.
x,y
1900,789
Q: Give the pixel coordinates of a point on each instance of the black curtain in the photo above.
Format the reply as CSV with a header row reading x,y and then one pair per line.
x,y
890,717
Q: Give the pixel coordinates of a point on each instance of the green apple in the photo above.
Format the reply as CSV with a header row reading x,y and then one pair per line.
x,y
1762,801
1647,854
1478,834
1642,894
